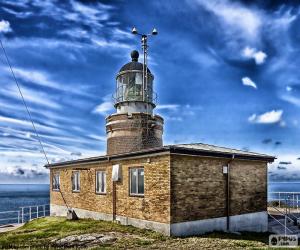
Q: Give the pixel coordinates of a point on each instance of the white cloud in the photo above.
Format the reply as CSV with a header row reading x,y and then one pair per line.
x,y
18,14
291,99
114,44
248,82
5,26
121,34
93,14
273,116
25,123
282,124
31,96
235,15
258,56
35,77
168,106
289,88
105,107
44,79
97,137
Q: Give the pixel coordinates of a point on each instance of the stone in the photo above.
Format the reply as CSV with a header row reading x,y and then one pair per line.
x,y
84,240
108,239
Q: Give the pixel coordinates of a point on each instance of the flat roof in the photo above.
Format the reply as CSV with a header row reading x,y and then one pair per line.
x,y
199,149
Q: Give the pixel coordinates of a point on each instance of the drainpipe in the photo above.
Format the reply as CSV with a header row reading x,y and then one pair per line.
x,y
228,193
114,198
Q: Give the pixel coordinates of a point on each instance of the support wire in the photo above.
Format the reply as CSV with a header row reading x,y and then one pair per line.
x,y
29,114
24,102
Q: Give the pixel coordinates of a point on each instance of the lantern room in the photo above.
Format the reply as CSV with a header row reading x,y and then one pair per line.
x,y
132,93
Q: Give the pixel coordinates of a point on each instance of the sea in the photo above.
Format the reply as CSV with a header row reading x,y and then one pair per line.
x,y
15,196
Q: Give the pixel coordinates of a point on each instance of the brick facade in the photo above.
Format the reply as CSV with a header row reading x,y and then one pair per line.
x,y
154,206
198,188
178,188
130,133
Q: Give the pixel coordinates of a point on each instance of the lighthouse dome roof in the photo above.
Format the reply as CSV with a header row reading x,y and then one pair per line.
x,y
134,64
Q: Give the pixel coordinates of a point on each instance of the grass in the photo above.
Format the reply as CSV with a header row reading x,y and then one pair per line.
x,y
38,234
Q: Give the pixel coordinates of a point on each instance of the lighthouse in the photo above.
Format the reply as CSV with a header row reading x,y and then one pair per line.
x,y
134,126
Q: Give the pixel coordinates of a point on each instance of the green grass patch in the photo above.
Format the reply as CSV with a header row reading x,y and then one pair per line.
x,y
37,234
40,232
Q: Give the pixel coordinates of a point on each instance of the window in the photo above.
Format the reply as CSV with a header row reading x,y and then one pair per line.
x,y
76,181
100,182
55,181
137,181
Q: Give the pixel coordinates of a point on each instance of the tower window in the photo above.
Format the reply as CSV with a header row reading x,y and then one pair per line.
x,y
137,181
100,182
55,182
76,181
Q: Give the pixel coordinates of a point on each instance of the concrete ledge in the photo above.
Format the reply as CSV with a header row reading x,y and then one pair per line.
x,y
163,228
57,210
251,222
198,227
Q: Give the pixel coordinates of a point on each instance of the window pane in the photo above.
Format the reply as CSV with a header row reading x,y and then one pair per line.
x,y
140,181
97,181
103,182
133,180
57,181
73,182
139,78
78,181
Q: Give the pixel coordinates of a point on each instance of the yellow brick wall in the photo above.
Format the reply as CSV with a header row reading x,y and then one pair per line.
x,y
199,187
248,187
154,206
195,186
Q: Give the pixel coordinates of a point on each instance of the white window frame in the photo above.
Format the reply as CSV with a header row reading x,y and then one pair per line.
x,y
102,175
136,193
76,181
56,182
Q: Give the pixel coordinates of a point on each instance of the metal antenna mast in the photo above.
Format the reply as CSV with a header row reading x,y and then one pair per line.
x,y
144,39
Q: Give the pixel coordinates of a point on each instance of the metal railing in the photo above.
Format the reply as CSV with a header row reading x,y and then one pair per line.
x,y
13,216
284,204
24,214
283,225
291,200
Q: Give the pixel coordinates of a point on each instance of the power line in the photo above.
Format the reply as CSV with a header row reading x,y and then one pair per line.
x,y
24,102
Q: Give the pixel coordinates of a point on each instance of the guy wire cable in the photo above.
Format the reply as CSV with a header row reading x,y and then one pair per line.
x,y
24,102
29,114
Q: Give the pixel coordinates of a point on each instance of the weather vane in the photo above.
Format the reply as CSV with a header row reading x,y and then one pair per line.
x,y
144,39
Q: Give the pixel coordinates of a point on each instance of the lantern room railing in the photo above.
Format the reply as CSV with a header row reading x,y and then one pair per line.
x,y
125,94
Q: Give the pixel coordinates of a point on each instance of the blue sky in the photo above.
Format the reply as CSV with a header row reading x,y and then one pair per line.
x,y
226,73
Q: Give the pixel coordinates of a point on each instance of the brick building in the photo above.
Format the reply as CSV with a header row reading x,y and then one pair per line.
x,y
183,189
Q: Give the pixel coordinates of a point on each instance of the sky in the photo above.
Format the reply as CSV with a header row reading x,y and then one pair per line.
x,y
226,73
